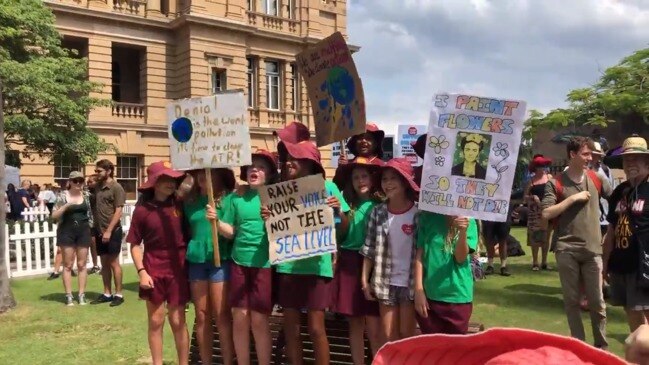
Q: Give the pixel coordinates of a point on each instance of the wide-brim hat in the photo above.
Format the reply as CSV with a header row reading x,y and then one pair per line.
x,y
267,155
633,145
497,346
539,161
378,135
420,145
295,132
156,170
344,172
598,150
403,167
304,150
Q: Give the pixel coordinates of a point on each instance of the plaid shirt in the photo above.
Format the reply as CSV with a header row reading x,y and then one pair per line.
x,y
377,249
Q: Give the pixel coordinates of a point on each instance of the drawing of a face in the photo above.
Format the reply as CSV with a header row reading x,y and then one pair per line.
x,y
471,151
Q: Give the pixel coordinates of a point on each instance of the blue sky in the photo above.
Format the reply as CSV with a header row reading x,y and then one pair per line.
x,y
536,51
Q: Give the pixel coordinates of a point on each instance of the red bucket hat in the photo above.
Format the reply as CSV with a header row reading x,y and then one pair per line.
x,y
497,346
539,161
304,150
157,169
420,145
378,135
295,132
268,156
344,172
404,168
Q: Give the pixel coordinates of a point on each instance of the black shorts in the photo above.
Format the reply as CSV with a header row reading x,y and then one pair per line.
x,y
73,234
113,246
495,232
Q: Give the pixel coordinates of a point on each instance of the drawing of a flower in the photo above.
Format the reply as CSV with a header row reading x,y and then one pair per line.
x,y
438,143
439,160
501,149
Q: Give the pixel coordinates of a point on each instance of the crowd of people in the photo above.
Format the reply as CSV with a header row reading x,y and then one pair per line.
x,y
398,271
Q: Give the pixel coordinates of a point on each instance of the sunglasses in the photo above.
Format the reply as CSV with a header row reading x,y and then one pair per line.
x,y
78,181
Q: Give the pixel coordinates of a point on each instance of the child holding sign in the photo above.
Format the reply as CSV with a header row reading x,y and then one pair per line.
x,y
362,192
209,284
250,273
389,251
366,147
443,276
157,225
304,284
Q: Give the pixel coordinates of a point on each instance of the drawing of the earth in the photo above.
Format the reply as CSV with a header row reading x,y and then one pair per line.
x,y
341,85
182,130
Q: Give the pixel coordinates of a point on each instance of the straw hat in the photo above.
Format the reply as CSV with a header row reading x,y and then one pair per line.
x,y
634,145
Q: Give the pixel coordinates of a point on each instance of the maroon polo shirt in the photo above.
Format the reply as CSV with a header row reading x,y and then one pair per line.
x,y
159,227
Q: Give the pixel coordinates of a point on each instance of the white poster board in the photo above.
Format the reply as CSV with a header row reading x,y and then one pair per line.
x,y
209,132
301,224
335,153
471,154
407,134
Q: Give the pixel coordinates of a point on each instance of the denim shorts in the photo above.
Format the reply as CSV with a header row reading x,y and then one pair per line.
x,y
398,295
207,271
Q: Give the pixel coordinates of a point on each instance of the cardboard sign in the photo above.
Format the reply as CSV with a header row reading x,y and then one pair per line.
x,y
335,90
408,134
471,154
209,132
301,223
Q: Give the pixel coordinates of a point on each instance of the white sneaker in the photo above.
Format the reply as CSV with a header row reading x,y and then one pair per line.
x,y
69,300
82,299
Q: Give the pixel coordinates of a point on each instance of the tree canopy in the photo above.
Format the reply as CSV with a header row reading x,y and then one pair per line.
x,y
45,86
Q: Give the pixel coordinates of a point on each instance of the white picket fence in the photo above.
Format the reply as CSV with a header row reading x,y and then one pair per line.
x,y
31,248
38,213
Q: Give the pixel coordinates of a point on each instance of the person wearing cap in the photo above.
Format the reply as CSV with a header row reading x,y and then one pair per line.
x,y
627,237
389,250
537,227
571,199
604,173
420,149
368,146
310,276
74,215
443,274
158,247
250,272
362,193
209,283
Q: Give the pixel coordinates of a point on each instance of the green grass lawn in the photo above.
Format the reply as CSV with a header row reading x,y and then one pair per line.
x,y
41,330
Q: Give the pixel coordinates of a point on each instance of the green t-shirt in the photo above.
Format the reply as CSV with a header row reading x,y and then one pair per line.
x,y
358,226
444,279
317,265
200,248
250,246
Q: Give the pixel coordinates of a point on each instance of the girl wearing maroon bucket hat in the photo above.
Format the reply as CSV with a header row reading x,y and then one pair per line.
x,y
367,146
443,275
210,284
389,251
309,277
363,193
250,273
157,229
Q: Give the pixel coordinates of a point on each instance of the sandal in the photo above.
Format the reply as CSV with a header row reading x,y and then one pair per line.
x,y
535,267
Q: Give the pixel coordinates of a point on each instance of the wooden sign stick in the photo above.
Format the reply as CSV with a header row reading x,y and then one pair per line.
x,y
343,149
215,233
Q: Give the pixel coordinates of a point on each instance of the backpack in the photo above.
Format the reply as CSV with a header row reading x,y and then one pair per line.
x,y
558,187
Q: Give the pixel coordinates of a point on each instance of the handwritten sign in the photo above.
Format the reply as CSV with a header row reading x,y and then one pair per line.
x,y
335,90
407,134
335,153
209,132
471,154
301,224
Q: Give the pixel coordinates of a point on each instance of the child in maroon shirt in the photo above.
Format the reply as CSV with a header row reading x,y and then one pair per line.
x,y
157,225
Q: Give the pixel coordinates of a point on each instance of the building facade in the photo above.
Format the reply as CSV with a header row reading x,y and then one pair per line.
x,y
148,52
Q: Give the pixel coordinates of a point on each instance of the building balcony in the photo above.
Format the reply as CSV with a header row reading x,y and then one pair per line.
x,y
273,23
135,7
129,110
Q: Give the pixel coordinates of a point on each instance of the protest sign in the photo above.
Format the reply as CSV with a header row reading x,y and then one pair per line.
x,y
301,223
407,134
471,154
334,88
209,132
335,153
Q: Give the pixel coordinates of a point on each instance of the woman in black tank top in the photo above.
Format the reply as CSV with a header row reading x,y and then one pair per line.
x,y
537,236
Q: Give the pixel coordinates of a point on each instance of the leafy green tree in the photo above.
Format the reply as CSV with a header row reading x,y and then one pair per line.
x,y
46,97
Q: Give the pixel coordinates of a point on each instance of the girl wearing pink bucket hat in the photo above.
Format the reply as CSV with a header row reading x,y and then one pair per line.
x,y
389,251
250,273
309,277
158,248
